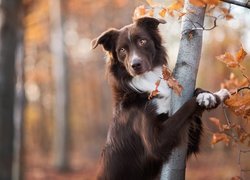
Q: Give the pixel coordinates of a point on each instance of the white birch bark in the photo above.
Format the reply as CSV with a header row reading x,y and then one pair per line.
x,y
185,72
61,142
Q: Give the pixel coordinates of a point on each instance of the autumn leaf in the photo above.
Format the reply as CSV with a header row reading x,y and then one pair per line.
x,y
242,134
139,12
226,13
199,3
155,91
203,3
218,137
216,122
172,82
228,59
233,83
239,103
241,54
233,61
162,13
152,3
151,12
181,14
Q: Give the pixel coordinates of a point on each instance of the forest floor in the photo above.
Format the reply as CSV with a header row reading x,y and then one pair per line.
x,y
211,165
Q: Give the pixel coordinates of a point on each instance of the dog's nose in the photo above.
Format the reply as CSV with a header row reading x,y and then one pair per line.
x,y
136,64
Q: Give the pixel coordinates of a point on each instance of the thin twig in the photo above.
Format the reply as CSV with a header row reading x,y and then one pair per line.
x,y
240,89
226,116
238,3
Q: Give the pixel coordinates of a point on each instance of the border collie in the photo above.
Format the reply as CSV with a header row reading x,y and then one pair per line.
x,y
142,136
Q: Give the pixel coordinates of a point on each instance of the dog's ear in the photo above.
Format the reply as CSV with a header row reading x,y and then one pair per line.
x,y
106,39
149,22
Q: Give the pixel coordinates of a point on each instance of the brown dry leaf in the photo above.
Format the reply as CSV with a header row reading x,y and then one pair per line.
x,y
226,13
228,59
234,83
166,73
199,3
242,134
233,61
139,12
176,5
229,17
153,3
155,91
203,3
151,12
190,35
216,122
172,82
236,178
239,103
241,54
212,2
162,13
181,14
150,2
218,137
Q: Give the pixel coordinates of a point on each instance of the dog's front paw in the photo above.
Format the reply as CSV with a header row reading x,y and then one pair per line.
x,y
223,94
207,100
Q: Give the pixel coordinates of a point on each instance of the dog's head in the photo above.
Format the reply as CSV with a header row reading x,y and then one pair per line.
x,y
135,46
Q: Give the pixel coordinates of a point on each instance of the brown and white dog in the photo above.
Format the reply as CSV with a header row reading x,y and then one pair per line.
x,y
142,136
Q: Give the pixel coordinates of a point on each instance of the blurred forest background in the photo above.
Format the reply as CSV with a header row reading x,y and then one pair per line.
x,y
63,101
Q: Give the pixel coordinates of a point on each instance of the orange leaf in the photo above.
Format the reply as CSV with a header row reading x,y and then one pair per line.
x,y
218,137
199,3
155,91
176,6
139,12
241,54
216,122
212,2
172,83
226,13
203,3
228,59
151,12
180,15
162,13
166,73
229,17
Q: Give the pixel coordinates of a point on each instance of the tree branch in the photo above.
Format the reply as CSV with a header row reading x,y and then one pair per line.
x,y
238,3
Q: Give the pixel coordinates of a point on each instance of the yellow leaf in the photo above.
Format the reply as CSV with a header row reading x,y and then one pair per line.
x,y
216,122
199,3
241,54
162,13
218,137
228,59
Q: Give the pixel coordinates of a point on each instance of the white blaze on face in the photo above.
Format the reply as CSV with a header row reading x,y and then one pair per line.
x,y
133,56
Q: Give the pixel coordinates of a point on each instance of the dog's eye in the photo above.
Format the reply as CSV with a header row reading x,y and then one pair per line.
x,y
142,42
122,51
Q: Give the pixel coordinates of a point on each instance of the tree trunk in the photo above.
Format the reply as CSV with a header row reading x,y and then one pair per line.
x,y
185,72
9,26
19,153
61,146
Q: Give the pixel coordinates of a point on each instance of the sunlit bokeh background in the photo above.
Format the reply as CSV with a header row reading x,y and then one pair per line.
x,y
90,96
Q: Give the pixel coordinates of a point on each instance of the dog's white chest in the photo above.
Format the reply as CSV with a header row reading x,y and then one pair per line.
x,y
146,83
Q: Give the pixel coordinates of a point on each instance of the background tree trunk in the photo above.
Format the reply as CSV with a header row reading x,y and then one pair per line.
x,y
19,152
9,27
61,146
185,72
